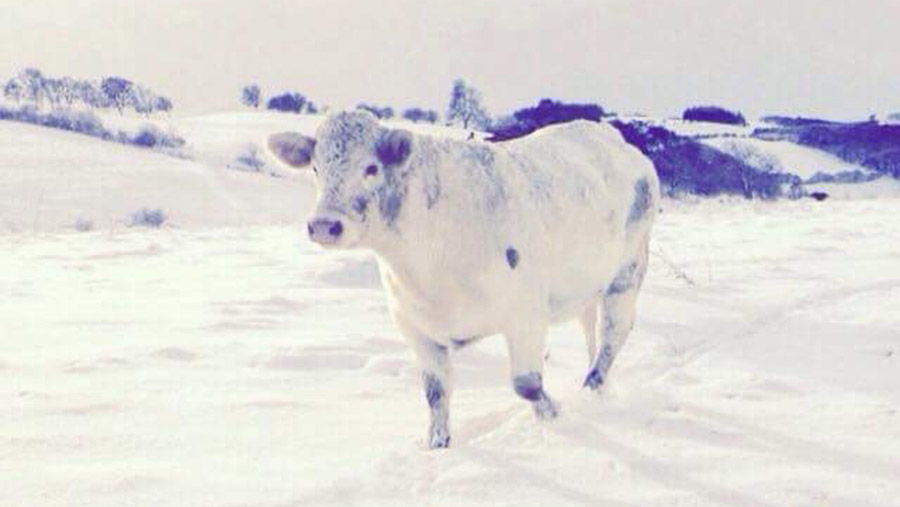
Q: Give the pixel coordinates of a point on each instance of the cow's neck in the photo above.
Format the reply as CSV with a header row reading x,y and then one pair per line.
x,y
405,245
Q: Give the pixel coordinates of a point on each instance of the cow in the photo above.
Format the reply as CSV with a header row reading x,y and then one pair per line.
x,y
476,239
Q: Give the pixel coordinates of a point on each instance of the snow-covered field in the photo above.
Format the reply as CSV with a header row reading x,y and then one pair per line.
x,y
783,156
223,360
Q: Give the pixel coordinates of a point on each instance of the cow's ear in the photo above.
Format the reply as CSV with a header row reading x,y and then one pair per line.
x,y
394,147
295,150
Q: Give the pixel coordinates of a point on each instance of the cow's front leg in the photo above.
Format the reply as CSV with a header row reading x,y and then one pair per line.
x,y
436,376
526,359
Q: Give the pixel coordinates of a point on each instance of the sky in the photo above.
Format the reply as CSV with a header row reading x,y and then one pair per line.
x,y
828,58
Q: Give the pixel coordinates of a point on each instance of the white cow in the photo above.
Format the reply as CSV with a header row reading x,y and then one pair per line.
x,y
475,239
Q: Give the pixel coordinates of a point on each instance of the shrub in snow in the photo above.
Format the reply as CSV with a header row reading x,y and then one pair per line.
x,y
416,115
74,121
250,96
466,108
151,136
82,122
145,217
382,113
12,90
547,112
84,225
117,90
292,102
251,160
713,114
163,104
687,166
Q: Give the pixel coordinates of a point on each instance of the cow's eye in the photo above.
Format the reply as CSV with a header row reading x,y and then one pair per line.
x,y
372,170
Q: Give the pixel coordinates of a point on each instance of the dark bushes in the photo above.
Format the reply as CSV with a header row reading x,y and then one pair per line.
x,y
797,121
149,136
713,114
292,102
547,112
382,113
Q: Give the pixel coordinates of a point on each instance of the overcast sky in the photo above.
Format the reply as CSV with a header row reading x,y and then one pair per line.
x,y
832,58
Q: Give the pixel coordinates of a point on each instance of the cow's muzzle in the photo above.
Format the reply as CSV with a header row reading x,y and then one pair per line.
x,y
325,231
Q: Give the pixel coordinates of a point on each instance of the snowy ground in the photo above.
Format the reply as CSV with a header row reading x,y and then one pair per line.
x,y
223,360
245,367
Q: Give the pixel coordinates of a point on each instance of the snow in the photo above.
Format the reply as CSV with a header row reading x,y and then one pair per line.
x,y
703,128
223,360
785,156
51,179
882,187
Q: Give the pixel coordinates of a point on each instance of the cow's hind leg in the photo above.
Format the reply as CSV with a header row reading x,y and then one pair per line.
x,y
526,357
618,310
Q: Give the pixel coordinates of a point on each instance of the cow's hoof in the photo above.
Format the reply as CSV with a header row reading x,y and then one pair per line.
x,y
545,409
594,380
439,438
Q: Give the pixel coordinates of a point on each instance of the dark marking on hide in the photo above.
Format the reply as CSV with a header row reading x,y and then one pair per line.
x,y
390,203
529,386
623,281
459,343
597,374
432,189
394,147
641,203
609,325
594,379
360,204
392,193
512,257
434,390
484,177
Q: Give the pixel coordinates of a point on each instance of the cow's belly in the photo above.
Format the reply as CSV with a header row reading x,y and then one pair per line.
x,y
460,307
451,308
575,287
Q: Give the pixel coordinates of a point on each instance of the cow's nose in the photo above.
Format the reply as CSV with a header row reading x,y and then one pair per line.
x,y
325,231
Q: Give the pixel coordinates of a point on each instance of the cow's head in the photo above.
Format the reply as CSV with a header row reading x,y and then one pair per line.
x,y
360,169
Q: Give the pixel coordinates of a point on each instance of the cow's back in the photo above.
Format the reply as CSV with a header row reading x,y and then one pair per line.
x,y
578,184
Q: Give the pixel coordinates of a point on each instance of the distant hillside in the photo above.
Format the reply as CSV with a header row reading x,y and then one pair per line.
x,y
869,144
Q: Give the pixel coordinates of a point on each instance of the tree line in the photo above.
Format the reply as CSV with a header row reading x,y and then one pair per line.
x,y
32,87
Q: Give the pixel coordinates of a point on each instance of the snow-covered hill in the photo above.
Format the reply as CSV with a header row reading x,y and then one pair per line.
x,y
783,156
49,180
812,166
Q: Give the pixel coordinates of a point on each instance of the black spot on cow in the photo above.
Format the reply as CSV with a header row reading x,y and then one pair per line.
x,y
641,202
512,257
